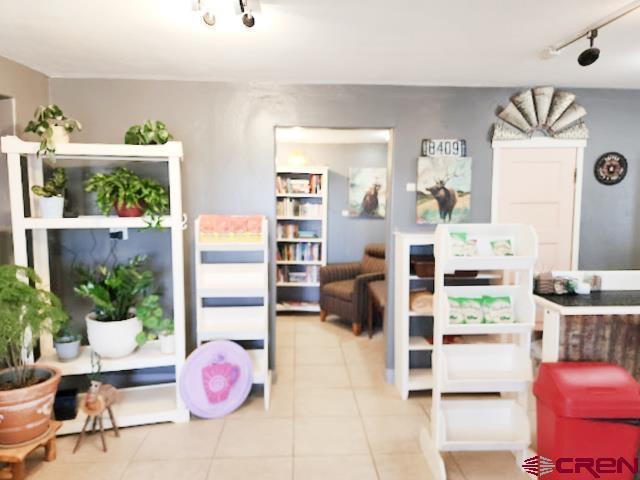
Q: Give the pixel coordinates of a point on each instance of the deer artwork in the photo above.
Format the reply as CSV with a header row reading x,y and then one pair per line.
x,y
447,197
369,205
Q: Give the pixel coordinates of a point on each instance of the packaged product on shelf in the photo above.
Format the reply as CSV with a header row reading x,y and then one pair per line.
x,y
502,247
498,309
458,243
456,312
473,310
471,247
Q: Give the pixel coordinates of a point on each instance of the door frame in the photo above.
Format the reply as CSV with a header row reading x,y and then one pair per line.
x,y
544,142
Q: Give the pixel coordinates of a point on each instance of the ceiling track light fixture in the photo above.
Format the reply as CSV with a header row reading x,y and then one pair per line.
x,y
242,7
591,54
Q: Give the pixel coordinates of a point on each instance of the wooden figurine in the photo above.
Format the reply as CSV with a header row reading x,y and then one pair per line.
x,y
99,397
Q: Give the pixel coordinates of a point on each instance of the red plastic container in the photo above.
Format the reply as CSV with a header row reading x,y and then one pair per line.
x,y
586,413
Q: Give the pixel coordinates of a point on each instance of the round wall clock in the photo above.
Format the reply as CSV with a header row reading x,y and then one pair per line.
x,y
610,168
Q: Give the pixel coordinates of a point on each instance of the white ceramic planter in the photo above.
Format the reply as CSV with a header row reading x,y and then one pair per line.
x,y
60,135
167,344
113,339
51,207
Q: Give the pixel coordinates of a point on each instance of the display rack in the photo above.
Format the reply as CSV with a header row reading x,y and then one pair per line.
x,y
139,405
501,366
298,284
232,294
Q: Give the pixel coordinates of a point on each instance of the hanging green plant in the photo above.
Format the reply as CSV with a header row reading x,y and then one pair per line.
x,y
149,133
52,126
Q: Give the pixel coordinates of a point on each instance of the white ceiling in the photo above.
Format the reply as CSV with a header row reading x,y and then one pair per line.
x,y
401,42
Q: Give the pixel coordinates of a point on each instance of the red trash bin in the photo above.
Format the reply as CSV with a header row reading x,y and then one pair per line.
x,y
588,421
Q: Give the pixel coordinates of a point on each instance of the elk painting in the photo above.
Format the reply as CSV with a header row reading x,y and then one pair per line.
x,y
367,192
443,190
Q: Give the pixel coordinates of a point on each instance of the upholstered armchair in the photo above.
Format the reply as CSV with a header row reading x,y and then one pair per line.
x,y
343,286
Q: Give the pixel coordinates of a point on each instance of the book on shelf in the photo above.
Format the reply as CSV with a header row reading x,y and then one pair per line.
x,y
291,207
309,274
312,184
299,252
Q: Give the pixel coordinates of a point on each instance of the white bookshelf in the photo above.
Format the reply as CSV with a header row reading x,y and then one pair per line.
x,y
499,364
302,296
139,405
239,280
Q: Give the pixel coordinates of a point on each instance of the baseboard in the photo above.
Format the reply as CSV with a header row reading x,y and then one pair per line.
x,y
389,376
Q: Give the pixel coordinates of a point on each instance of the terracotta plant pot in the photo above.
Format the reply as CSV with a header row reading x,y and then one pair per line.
x,y
123,211
25,413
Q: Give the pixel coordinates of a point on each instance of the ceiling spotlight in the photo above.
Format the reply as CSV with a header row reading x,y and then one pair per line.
x,y
247,18
591,54
209,18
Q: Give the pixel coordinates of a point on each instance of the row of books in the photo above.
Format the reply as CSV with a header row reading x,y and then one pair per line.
x,y
312,184
308,275
292,231
290,207
299,252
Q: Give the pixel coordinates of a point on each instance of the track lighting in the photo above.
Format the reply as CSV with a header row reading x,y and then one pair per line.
x,y
242,7
247,17
591,54
209,18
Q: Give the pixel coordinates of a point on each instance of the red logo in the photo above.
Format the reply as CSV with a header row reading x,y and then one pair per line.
x,y
538,466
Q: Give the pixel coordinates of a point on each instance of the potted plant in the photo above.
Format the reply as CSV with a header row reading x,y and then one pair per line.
x,y
130,195
27,391
52,126
149,133
154,324
51,194
67,343
116,291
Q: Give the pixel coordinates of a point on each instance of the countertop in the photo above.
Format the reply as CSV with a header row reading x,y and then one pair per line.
x,y
602,302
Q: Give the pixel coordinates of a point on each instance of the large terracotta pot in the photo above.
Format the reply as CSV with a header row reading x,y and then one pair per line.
x,y
123,211
25,413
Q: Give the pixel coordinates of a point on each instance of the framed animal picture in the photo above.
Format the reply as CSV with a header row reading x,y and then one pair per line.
x,y
443,190
367,192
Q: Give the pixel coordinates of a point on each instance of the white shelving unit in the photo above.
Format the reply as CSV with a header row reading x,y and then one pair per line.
x,y
295,296
139,405
501,366
241,321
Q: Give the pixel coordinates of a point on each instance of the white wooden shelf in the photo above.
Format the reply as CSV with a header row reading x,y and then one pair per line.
x,y
414,313
298,308
298,218
90,222
300,240
419,343
299,262
228,247
147,356
232,323
231,280
420,379
299,195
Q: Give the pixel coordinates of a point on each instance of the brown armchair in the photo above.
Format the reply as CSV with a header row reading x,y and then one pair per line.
x,y
343,286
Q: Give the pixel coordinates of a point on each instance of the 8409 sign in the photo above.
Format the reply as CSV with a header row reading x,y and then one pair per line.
x,y
446,147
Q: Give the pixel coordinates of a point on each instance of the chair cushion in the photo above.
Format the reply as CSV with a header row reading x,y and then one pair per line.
x,y
378,290
342,289
372,265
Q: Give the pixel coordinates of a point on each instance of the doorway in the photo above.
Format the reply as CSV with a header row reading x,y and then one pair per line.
x,y
7,127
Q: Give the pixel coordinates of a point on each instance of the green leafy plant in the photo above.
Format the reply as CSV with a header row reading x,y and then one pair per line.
x,y
24,307
115,290
45,118
54,187
154,323
122,187
67,334
149,133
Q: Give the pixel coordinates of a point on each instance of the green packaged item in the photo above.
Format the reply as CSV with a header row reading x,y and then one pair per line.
x,y
458,243
456,312
473,310
498,310
502,247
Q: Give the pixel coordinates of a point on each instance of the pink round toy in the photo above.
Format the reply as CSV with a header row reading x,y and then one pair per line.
x,y
216,379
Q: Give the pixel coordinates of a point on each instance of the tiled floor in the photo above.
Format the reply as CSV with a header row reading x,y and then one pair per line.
x,y
332,417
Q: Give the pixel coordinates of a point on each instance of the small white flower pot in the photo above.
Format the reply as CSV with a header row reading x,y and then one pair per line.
x,y
67,350
60,135
167,344
51,207
113,339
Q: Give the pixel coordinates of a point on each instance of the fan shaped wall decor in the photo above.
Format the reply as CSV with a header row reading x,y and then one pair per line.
x,y
541,109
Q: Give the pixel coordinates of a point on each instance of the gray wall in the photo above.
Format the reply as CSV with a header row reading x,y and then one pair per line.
x,y
228,135
347,236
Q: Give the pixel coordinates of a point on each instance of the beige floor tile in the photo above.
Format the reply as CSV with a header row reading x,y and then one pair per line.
x,y
363,376
359,467
77,471
402,466
488,466
118,449
192,469
284,356
285,339
453,470
394,434
329,436
363,353
180,441
281,404
325,402
269,437
424,400
284,376
308,355
321,376
274,468
385,401
320,338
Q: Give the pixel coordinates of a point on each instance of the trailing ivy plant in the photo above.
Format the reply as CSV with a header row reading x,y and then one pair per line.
x,y
149,133
154,323
45,118
122,187
24,307
54,187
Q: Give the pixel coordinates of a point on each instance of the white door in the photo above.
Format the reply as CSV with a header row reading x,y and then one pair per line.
x,y
537,186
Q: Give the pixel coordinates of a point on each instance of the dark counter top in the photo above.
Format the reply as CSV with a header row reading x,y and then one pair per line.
x,y
605,298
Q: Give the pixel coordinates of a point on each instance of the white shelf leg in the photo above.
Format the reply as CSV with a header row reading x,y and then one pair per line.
x,y
551,336
432,455
267,390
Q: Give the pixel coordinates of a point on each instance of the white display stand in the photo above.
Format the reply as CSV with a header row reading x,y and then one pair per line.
x,y
319,224
235,280
139,405
504,367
